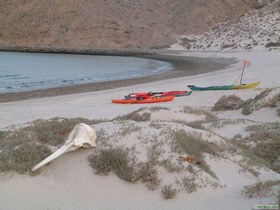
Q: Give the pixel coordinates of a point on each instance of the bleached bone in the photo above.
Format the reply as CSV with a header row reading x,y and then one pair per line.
x,y
82,135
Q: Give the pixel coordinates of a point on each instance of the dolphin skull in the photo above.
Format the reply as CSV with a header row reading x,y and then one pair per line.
x,y
82,135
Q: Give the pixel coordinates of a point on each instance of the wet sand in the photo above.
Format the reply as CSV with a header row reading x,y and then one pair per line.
x,y
183,66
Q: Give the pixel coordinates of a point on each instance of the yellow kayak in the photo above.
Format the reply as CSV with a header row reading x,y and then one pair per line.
x,y
245,86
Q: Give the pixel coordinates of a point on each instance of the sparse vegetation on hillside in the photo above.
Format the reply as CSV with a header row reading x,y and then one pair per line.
x,y
111,24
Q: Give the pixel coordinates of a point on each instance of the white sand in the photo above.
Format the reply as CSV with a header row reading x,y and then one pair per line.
x,y
69,183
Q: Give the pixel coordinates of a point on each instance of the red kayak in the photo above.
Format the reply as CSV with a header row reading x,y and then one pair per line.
x,y
149,94
140,100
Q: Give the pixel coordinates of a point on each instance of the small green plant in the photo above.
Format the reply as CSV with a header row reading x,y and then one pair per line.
x,y
168,192
230,102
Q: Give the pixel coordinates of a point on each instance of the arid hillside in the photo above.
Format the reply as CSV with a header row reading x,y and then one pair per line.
x,y
102,24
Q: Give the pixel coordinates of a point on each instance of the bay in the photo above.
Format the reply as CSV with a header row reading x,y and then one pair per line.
x,y
20,72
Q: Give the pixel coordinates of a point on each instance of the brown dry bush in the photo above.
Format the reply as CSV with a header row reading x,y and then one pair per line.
x,y
230,102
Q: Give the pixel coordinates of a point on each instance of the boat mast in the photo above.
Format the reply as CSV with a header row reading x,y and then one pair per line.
x,y
244,64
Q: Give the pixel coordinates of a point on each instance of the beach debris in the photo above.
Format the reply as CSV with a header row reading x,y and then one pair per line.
x,y
188,158
82,135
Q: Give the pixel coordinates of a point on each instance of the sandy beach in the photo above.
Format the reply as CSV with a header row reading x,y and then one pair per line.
x,y
69,182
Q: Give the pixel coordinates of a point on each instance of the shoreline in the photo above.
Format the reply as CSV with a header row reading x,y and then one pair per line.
x,y
183,66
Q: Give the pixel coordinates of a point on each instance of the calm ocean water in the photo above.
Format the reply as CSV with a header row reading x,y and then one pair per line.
x,y
32,71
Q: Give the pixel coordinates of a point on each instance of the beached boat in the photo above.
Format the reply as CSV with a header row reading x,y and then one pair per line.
x,y
224,87
162,93
140,100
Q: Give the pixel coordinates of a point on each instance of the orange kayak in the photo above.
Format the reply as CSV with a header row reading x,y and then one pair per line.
x,y
152,99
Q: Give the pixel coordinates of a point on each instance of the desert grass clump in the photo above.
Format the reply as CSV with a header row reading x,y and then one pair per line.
x,y
23,148
19,153
262,143
198,124
149,175
189,184
249,105
231,102
136,116
157,108
117,160
260,189
170,166
185,143
272,102
168,192
54,131
209,117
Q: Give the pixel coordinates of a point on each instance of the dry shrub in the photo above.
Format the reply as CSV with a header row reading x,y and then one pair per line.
x,y
157,108
21,149
54,131
185,143
19,153
136,116
189,184
249,105
168,192
149,175
114,159
230,102
124,165
272,102
260,189
263,143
